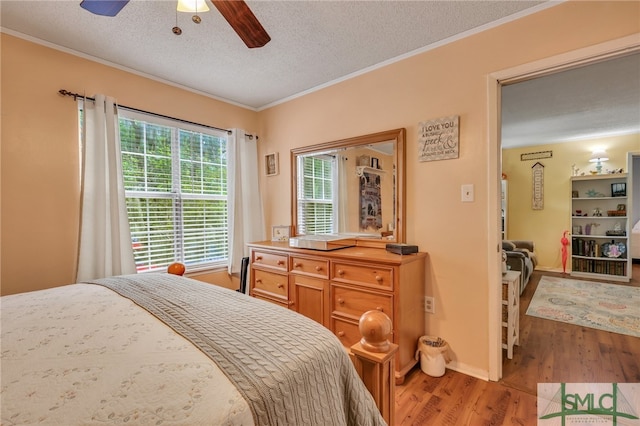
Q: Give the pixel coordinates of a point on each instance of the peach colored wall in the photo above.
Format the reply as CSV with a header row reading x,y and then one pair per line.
x,y
40,152
450,80
545,226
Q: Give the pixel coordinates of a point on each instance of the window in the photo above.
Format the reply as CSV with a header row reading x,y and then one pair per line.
x,y
316,204
175,178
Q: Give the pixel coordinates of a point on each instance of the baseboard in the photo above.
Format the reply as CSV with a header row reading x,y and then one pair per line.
x,y
469,370
548,269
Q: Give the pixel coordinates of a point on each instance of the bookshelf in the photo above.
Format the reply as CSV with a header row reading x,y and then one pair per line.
x,y
600,227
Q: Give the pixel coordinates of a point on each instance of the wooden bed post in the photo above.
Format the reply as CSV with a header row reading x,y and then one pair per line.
x,y
374,360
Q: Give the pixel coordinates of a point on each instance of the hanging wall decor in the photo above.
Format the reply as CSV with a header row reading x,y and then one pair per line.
x,y
536,155
271,165
438,139
370,202
537,193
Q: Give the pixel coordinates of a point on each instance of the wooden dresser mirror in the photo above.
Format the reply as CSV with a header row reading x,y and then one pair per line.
x,y
353,187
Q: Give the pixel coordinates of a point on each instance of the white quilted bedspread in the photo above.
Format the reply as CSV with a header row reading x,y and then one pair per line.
x,y
94,373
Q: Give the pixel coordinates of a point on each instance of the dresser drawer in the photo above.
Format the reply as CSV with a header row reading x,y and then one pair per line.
x,y
347,331
267,259
275,302
308,266
352,303
270,284
371,276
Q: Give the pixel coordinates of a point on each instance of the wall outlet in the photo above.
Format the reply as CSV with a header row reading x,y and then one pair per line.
x,y
429,305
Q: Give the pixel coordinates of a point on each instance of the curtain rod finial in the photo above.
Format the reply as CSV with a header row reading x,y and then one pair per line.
x,y
64,92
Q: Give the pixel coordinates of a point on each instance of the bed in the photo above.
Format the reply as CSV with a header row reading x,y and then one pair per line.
x,y
160,349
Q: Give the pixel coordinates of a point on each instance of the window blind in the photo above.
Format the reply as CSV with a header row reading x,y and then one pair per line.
x,y
315,195
176,190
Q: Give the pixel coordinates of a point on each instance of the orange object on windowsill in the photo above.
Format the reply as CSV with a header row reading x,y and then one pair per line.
x,y
176,268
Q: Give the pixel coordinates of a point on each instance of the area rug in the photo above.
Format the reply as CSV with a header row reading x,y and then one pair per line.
x,y
609,307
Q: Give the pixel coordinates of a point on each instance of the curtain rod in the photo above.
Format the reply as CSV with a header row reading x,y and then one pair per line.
x,y
75,96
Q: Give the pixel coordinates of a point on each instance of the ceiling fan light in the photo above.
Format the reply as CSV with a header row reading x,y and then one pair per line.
x,y
192,6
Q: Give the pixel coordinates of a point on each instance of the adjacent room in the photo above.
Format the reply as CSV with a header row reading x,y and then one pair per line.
x,y
559,123
271,204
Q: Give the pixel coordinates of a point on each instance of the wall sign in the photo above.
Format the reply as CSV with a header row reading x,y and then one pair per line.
x,y
537,194
536,155
438,139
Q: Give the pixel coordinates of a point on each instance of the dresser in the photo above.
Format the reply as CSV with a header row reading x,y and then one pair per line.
x,y
336,287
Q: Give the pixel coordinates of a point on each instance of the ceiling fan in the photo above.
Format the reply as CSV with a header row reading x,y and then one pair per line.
x,y
236,12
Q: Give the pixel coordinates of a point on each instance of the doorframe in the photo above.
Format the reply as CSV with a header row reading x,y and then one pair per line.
x,y
588,55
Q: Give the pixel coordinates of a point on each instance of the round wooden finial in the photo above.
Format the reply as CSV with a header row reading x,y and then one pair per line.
x,y
375,328
176,268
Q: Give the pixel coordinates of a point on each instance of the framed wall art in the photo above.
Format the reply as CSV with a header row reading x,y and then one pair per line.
x,y
280,233
618,189
271,165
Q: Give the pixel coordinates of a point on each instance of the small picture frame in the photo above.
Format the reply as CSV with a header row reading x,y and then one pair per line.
x,y
618,189
575,194
280,233
271,166
375,163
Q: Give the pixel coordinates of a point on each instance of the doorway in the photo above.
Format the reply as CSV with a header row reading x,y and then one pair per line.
x,y
496,81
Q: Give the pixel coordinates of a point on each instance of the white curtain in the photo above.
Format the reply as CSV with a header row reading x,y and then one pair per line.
x,y
246,219
342,214
105,238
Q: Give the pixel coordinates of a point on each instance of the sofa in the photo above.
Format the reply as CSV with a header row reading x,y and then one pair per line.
x,y
520,257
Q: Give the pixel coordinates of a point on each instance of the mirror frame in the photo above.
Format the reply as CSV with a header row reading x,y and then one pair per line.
x,y
398,136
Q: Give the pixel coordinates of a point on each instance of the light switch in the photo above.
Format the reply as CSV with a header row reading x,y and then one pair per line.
x,y
467,193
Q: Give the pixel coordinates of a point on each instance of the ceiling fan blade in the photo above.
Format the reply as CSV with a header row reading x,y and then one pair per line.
x,y
104,7
243,21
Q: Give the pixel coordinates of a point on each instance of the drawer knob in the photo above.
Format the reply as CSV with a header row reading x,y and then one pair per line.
x,y
378,278
258,257
379,308
318,268
340,333
340,272
280,285
297,265
280,262
341,301
258,280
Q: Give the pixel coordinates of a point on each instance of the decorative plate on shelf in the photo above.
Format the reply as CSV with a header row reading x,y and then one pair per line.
x,y
613,249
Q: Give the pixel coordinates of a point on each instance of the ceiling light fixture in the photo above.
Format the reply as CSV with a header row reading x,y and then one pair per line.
x,y
598,157
193,6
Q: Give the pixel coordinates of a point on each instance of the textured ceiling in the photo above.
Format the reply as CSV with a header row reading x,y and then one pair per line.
x,y
317,43
312,42
590,102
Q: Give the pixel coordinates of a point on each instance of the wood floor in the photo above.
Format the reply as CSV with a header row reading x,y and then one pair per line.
x,y
549,351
